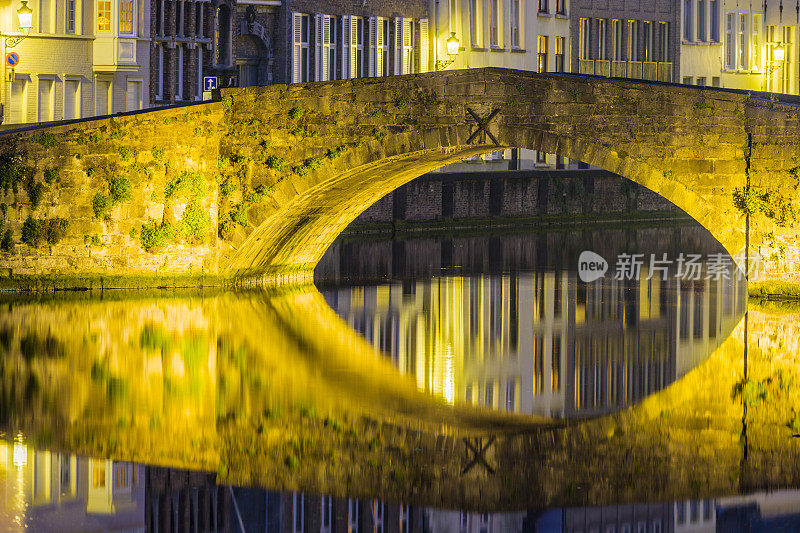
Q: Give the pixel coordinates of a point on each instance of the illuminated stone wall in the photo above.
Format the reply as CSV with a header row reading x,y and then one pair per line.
x,y
296,164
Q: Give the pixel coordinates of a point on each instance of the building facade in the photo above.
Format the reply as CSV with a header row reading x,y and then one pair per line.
x,y
79,59
627,40
190,40
740,46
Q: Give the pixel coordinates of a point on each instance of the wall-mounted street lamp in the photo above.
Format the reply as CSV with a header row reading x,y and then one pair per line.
x,y
452,51
778,52
25,16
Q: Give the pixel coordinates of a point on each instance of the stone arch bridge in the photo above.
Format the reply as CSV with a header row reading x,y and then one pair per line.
x,y
255,185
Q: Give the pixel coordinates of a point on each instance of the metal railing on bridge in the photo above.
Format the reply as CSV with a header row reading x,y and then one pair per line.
x,y
639,70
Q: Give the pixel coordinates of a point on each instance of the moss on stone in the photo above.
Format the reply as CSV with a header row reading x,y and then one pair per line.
x,y
155,236
46,139
7,244
101,206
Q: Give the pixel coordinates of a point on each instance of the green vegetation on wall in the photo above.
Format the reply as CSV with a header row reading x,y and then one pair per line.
x,y
36,232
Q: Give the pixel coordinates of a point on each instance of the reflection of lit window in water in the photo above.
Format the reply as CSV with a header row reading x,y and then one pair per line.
x,y
543,342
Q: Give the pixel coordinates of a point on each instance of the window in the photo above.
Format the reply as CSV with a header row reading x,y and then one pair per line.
x,y
121,474
102,89
707,507
756,43
616,40
297,512
494,23
516,16
663,41
687,20
179,73
744,48
126,17
160,73
199,19
69,19
541,53
377,516
701,20
730,44
358,40
98,474
648,41
694,507
103,15
475,22
715,81
333,23
160,17
222,37
386,64
583,37
560,42
713,16
561,7
687,80
72,99
511,396
787,59
352,516
67,484
452,15
601,39
45,99
300,51
555,368
701,81
199,81
326,514
133,95
45,16
543,6
633,40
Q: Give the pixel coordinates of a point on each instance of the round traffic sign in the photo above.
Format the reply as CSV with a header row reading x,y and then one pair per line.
x,y
12,59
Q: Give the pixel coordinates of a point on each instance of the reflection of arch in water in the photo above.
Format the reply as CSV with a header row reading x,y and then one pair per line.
x,y
542,342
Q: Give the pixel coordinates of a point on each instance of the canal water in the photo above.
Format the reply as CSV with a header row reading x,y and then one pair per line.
x,y
579,376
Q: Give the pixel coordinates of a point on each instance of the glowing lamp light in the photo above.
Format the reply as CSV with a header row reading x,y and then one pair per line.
x,y
25,15
452,44
20,454
779,53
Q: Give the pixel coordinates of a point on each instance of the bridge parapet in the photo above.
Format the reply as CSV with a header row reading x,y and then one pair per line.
x,y
257,185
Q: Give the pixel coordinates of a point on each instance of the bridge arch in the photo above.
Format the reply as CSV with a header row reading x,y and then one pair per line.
x,y
410,125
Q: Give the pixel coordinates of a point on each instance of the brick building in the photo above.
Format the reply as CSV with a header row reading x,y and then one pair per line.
x,y
626,39
190,39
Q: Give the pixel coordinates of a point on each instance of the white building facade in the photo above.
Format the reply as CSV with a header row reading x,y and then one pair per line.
x,y
740,45
81,58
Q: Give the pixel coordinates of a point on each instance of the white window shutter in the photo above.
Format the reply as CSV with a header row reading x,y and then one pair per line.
x,y
318,48
373,52
297,28
423,45
346,21
398,45
353,45
326,46
379,59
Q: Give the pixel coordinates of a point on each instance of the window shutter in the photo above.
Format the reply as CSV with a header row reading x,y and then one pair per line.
x,y
398,45
319,50
297,28
379,59
423,45
353,45
373,51
346,21
407,46
326,46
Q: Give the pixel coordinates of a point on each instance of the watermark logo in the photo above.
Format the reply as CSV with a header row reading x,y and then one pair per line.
x,y
591,266
690,267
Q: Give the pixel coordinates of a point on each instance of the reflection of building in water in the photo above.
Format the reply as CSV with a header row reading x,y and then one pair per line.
x,y
543,342
633,518
752,513
49,491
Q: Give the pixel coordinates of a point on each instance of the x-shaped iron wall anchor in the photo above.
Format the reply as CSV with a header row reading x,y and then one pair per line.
x,y
478,449
483,124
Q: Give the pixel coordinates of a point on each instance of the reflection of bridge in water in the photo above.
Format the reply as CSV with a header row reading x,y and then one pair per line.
x,y
273,390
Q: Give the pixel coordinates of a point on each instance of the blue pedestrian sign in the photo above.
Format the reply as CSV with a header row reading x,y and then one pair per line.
x,y
210,83
12,59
